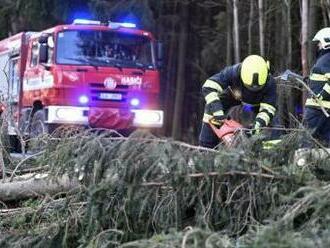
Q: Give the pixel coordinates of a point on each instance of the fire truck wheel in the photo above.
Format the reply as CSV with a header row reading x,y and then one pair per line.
x,y
15,144
38,125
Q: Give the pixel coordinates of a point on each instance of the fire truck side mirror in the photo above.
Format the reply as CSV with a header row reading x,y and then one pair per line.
x,y
43,53
43,39
160,54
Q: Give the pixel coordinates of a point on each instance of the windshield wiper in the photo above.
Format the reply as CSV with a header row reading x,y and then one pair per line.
x,y
141,66
85,61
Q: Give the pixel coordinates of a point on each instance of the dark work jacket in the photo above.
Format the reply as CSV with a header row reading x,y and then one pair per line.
x,y
319,82
234,93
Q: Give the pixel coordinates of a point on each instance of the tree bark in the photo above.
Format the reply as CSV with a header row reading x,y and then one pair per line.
x,y
180,84
250,26
261,27
36,186
229,32
236,32
304,37
324,13
289,35
312,29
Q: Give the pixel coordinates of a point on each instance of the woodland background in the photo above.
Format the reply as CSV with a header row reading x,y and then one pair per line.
x,y
200,38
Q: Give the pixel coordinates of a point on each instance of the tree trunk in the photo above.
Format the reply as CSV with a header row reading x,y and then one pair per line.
x,y
289,33
180,84
251,20
170,81
236,33
261,28
34,187
229,33
324,13
304,37
312,29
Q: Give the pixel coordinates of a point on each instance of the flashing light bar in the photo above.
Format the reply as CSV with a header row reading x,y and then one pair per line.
x,y
121,25
111,24
86,22
128,25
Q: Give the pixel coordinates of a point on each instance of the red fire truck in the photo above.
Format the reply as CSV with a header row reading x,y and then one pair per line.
x,y
102,75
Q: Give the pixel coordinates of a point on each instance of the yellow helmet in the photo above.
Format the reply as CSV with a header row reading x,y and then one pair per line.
x,y
254,72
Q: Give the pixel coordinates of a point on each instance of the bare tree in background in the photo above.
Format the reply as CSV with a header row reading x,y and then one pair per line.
x,y
229,32
304,36
180,82
287,5
250,26
236,32
312,29
325,4
261,27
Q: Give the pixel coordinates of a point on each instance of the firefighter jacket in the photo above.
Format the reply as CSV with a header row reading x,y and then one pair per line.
x,y
319,82
225,90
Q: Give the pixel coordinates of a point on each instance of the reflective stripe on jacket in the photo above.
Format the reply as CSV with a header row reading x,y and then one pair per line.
x,y
319,82
225,90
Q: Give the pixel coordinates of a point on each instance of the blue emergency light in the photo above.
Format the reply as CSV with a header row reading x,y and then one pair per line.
x,y
128,25
116,25
86,22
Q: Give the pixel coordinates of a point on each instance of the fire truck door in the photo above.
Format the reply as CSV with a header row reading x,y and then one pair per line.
x,y
14,80
13,91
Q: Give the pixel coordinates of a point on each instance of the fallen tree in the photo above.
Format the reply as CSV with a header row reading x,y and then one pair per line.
x,y
142,190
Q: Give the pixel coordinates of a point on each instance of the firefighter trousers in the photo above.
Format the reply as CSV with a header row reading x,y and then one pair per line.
x,y
318,123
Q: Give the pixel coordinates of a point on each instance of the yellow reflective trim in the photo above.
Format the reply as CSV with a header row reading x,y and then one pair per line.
x,y
327,75
271,109
218,113
326,87
264,117
211,97
313,102
270,144
206,118
318,77
213,85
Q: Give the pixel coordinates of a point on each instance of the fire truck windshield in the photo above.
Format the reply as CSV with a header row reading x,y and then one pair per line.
x,y
104,48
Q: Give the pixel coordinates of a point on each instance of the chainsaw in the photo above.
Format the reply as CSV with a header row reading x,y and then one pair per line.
x,y
227,132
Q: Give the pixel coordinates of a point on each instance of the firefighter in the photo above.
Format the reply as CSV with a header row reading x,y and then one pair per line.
x,y
314,117
248,86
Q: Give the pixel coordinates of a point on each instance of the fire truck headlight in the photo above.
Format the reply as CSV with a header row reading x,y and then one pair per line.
x,y
68,114
83,99
148,118
135,102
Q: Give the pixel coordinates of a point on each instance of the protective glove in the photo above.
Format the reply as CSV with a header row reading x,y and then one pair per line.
x,y
217,121
256,128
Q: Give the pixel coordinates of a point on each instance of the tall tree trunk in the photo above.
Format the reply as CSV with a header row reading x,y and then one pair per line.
x,y
304,37
229,32
236,32
289,33
251,20
312,28
180,84
261,27
324,13
170,80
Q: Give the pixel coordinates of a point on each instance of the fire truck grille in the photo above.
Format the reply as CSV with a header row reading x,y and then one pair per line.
x,y
98,85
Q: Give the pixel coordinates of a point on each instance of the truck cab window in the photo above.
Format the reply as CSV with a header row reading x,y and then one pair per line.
x,y
50,44
104,48
34,54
